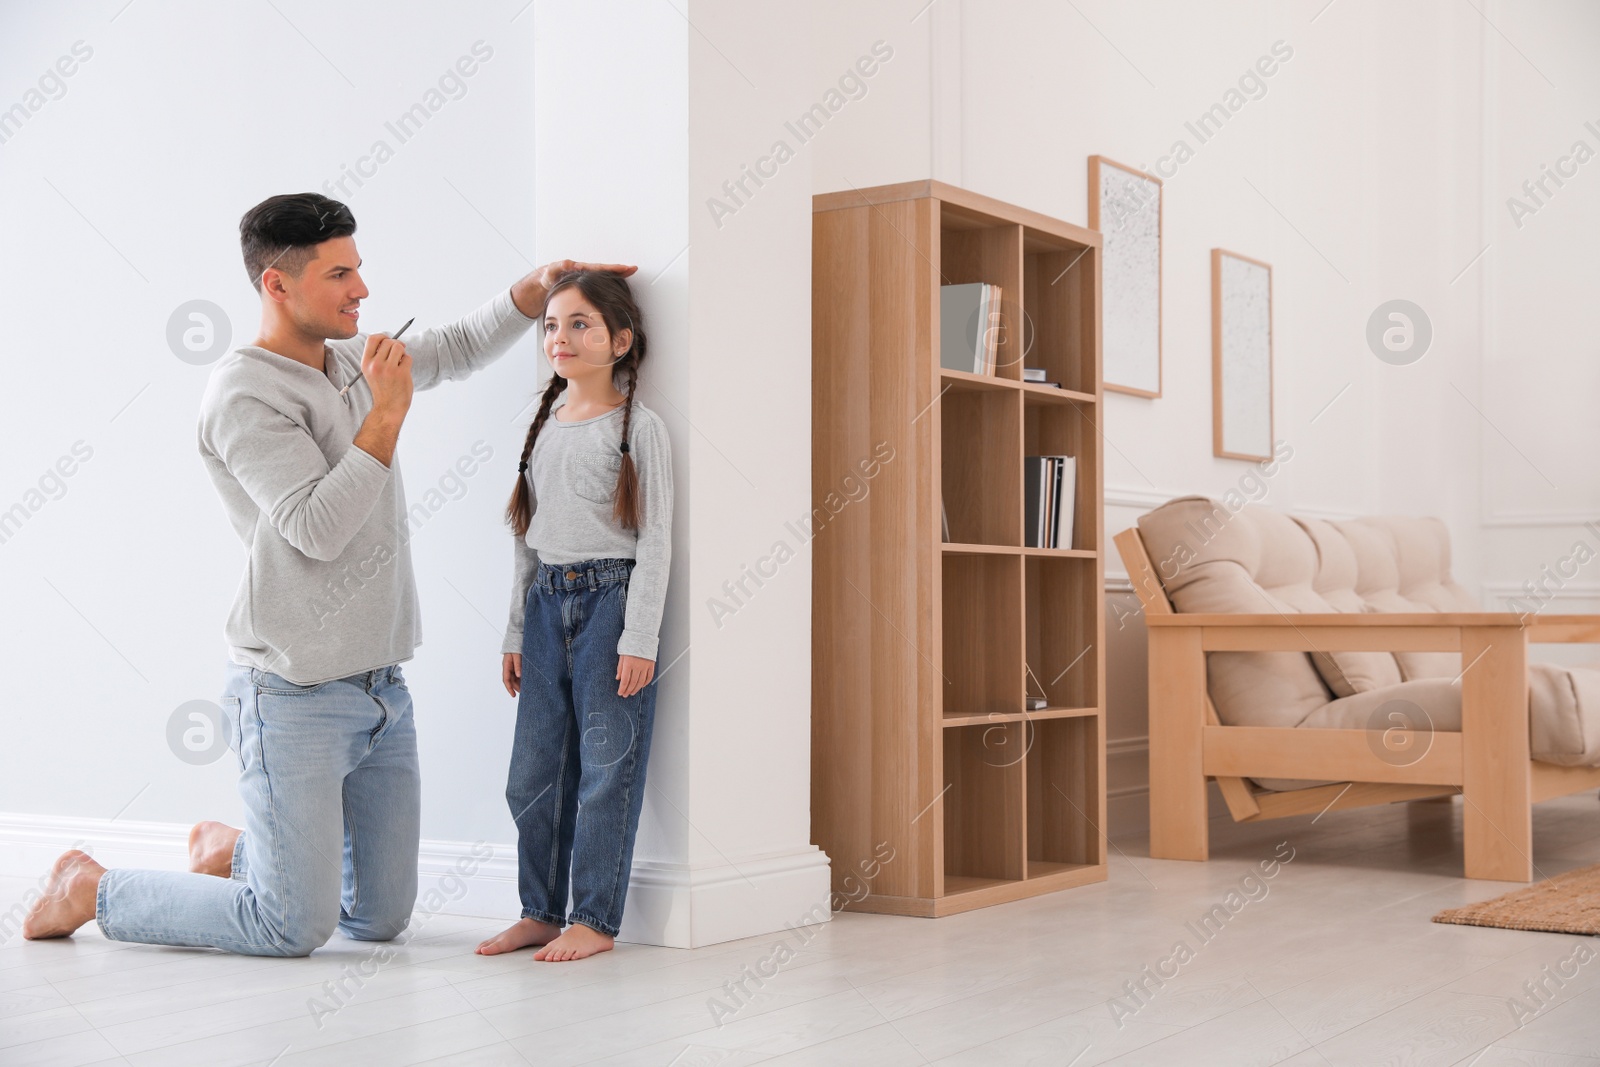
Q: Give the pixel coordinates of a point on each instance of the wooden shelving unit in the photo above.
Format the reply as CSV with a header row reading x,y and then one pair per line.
x,y
920,740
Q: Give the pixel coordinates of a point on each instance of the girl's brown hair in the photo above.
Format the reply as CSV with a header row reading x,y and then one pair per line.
x,y
611,296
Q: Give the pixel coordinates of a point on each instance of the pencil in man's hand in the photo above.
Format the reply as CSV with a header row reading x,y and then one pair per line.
x,y
393,337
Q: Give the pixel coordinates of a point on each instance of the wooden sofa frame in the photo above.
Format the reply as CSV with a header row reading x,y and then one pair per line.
x,y
1487,762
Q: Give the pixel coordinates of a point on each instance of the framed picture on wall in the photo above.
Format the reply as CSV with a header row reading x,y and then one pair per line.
x,y
1241,356
1125,206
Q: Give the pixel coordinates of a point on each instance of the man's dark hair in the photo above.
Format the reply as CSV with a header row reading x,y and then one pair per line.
x,y
282,231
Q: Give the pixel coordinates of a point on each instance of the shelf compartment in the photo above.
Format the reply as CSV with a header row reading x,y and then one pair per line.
x,y
1054,428
981,634
980,465
976,248
1060,290
1060,631
983,805
1064,815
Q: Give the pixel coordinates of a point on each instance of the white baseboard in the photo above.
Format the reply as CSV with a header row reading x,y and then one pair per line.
x,y
668,904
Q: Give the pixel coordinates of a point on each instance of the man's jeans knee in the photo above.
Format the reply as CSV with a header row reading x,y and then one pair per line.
x,y
332,796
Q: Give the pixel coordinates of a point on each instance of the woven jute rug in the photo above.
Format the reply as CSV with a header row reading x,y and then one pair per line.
x,y
1566,904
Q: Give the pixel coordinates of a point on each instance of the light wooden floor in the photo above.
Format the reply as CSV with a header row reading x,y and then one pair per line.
x,y
1336,964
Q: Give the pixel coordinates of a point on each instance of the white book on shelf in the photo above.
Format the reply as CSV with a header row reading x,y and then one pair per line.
x,y
980,336
1066,495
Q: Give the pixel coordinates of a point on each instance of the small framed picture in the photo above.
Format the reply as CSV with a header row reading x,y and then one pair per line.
x,y
1125,206
1241,356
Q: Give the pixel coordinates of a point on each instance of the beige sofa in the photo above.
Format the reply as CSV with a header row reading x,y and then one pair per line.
x,y
1308,664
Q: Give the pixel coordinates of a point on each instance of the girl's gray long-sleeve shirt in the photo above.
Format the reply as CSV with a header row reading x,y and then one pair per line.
x,y
327,589
575,466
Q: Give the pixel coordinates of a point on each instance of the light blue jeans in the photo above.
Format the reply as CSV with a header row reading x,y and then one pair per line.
x,y
332,798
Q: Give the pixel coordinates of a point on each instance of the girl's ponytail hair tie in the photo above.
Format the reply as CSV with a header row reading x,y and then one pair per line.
x,y
624,446
522,467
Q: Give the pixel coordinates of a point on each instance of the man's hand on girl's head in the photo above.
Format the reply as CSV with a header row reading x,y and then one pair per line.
x,y
528,292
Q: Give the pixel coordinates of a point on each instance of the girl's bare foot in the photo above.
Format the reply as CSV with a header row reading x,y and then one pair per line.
x,y
521,934
68,900
577,942
211,848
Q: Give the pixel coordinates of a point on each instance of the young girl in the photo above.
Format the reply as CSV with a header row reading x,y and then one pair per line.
x,y
592,514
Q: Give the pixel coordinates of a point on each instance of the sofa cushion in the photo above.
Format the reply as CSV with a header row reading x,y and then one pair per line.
x,y
1346,673
1259,560
1563,713
1212,560
1424,706
1403,564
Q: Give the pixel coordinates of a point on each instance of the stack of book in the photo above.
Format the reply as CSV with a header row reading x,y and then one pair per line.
x,y
1049,486
969,327
1036,375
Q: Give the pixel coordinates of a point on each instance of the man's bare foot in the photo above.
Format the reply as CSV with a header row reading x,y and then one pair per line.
x,y
521,934
575,943
211,848
68,900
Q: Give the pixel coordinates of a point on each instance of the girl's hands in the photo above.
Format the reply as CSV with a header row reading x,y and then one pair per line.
x,y
633,674
511,672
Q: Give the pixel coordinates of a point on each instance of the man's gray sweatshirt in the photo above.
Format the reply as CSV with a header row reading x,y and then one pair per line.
x,y
327,589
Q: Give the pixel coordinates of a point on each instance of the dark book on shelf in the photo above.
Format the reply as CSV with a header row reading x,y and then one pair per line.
x,y
1049,485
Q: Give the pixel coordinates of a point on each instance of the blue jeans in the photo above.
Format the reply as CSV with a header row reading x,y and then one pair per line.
x,y
578,761
332,798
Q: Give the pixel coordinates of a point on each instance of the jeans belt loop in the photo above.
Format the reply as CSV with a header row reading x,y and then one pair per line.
x,y
593,585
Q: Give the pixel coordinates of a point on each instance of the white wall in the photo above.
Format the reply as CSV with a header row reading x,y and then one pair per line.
x,y
123,200
1538,437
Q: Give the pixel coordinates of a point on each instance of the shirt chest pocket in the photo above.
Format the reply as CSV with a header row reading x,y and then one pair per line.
x,y
594,475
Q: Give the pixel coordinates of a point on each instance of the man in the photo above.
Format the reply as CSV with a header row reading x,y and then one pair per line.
x,y
298,431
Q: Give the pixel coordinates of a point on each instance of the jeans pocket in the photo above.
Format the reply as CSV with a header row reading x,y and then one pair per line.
x,y
267,682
